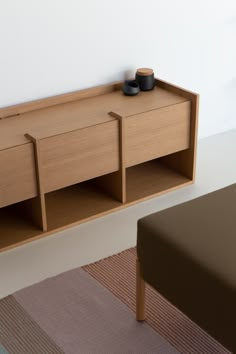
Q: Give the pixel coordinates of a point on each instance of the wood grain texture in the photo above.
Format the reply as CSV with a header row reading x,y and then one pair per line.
x,y
122,155
79,155
17,175
32,210
185,161
85,201
39,206
55,100
115,183
76,138
175,89
140,293
17,227
70,116
151,178
156,133
111,184
82,201
192,159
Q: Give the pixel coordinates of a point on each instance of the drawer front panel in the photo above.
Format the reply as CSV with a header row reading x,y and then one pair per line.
x,y
17,174
76,156
157,133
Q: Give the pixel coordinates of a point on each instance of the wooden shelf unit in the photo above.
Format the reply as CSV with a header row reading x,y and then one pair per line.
x,y
89,153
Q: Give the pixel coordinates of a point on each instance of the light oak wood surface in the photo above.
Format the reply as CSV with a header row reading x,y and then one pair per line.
x,y
17,227
156,133
80,114
79,155
10,111
150,178
17,175
115,183
39,206
85,201
140,293
185,161
125,149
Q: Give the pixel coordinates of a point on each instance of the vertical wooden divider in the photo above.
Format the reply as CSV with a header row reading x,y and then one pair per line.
x,y
122,156
115,183
39,210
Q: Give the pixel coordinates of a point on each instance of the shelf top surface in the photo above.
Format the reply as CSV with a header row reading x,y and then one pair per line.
x,y
65,117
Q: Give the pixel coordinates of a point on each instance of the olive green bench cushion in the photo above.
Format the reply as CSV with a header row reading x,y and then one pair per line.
x,y
188,253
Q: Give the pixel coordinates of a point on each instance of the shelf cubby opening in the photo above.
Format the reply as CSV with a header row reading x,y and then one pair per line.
x,y
77,203
150,178
18,224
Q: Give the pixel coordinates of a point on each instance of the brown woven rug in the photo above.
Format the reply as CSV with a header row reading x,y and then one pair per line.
x,y
72,313
117,273
90,310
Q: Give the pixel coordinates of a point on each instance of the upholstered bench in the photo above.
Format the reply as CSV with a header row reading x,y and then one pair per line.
x,y
188,254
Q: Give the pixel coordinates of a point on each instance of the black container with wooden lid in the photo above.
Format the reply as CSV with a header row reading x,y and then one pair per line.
x,y
145,79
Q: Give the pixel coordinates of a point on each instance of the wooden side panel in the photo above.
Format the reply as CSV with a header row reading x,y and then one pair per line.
x,y
17,174
157,133
185,161
79,155
175,89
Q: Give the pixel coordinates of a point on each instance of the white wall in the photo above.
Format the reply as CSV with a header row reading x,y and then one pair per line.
x,y
50,47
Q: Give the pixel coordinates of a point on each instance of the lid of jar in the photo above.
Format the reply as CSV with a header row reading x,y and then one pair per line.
x,y
144,71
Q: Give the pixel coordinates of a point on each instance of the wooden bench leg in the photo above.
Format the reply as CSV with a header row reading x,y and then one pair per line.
x,y
140,294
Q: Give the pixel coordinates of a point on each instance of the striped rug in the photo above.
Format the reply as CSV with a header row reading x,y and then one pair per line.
x,y
91,310
117,273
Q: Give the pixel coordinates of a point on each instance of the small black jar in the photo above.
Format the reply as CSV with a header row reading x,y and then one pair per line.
x,y
131,88
145,79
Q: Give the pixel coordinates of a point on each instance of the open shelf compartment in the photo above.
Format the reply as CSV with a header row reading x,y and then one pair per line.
x,y
17,225
152,178
67,206
77,203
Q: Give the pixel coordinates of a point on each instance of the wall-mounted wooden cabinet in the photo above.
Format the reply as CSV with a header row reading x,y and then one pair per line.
x,y
71,158
157,133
